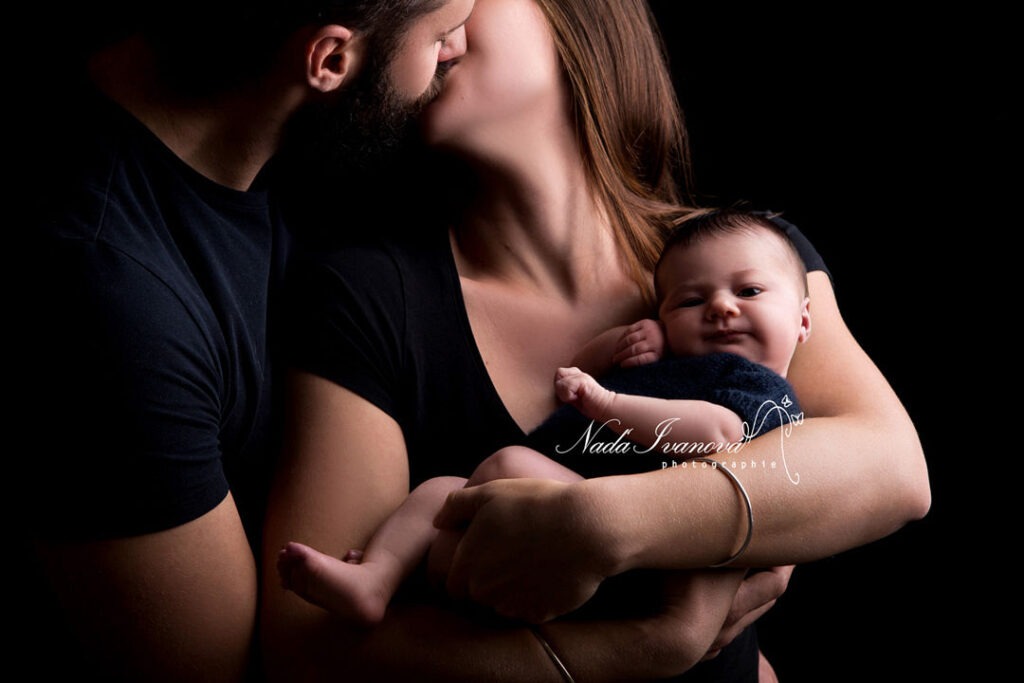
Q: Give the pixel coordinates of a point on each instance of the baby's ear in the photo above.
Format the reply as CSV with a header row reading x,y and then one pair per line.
x,y
805,321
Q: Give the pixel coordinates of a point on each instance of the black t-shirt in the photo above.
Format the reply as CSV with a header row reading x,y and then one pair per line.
x,y
143,328
762,399
388,322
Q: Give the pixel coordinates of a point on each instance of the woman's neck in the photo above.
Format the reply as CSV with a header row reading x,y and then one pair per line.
x,y
536,225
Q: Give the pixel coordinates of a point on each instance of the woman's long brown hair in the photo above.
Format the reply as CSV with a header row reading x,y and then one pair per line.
x,y
628,121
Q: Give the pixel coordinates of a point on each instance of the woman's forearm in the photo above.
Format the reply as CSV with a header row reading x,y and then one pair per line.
x,y
850,474
828,500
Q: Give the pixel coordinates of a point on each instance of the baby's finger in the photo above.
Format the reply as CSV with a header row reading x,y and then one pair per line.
x,y
637,349
639,359
567,389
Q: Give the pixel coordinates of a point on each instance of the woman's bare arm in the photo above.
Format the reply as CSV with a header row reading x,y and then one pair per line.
x,y
853,472
859,466
344,472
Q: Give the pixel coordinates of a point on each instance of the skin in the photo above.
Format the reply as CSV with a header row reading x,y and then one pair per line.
x,y
360,586
535,253
538,251
861,477
337,503
147,608
181,604
750,283
735,293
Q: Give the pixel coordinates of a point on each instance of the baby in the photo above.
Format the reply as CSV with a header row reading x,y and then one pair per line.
x,y
732,306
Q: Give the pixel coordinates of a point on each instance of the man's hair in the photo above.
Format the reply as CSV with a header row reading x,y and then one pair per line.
x,y
708,224
209,46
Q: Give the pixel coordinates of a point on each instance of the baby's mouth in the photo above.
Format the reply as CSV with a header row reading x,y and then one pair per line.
x,y
725,335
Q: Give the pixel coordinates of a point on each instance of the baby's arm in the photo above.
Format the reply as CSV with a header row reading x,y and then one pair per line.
x,y
626,346
647,417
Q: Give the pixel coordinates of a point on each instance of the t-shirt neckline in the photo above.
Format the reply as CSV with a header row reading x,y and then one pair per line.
x,y
470,337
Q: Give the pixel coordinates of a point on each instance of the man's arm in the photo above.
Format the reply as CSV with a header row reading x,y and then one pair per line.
x,y
170,606
125,494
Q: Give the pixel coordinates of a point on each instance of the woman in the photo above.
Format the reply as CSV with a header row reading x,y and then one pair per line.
x,y
564,112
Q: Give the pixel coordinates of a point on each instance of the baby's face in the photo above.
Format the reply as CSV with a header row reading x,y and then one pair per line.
x,y
734,293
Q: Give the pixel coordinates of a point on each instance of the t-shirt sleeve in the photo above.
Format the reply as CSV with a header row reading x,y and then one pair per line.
x,y
812,259
345,314
122,408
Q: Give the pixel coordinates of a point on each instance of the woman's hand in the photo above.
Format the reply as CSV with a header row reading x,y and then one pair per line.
x,y
532,548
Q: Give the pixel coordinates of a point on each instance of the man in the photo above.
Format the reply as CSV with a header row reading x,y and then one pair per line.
x,y
151,280
154,256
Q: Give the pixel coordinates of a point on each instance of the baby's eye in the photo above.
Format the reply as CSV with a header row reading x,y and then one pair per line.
x,y
748,292
690,302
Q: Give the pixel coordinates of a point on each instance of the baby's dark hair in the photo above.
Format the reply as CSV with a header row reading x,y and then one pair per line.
x,y
717,222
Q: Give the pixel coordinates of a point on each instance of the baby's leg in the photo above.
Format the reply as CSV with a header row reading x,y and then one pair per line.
x,y
362,591
511,462
519,462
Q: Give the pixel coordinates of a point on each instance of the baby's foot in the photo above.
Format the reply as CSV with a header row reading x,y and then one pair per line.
x,y
341,587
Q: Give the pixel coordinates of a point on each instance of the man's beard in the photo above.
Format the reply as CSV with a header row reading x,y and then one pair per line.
x,y
359,133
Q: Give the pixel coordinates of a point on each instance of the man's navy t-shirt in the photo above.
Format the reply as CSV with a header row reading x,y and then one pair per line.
x,y
149,293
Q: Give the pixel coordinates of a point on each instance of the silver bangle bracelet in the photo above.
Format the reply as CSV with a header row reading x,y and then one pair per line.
x,y
566,676
746,500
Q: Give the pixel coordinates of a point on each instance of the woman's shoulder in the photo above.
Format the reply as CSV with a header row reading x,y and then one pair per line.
x,y
811,258
372,259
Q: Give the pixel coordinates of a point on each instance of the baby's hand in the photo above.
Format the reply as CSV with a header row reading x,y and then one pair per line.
x,y
582,391
642,343
570,383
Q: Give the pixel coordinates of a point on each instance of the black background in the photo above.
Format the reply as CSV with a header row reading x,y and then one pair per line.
x,y
886,136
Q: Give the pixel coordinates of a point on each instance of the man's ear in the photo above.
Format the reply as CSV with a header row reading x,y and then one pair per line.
x,y
333,55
